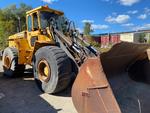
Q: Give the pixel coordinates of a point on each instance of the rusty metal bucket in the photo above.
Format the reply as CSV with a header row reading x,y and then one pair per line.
x,y
91,92
103,85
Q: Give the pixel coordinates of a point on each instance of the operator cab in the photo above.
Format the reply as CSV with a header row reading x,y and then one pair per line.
x,y
38,20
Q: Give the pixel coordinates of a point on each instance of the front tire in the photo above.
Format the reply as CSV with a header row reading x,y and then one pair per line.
x,y
10,62
52,69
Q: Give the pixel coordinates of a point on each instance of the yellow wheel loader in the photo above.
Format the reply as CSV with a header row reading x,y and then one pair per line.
x,y
112,82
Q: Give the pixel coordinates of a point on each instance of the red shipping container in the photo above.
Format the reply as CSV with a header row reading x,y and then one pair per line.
x,y
104,41
97,39
118,39
115,39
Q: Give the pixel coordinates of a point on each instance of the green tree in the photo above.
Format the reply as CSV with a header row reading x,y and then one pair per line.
x,y
87,28
9,22
142,38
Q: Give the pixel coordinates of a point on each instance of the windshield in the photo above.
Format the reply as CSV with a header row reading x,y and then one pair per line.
x,y
45,19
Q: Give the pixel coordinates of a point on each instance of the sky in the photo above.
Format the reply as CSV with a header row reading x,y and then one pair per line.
x,y
105,16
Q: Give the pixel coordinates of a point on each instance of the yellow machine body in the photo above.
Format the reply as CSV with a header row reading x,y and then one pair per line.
x,y
28,41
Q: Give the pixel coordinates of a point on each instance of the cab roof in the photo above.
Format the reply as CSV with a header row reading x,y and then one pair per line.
x,y
45,8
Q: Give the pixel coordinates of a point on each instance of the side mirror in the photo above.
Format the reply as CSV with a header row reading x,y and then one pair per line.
x,y
66,22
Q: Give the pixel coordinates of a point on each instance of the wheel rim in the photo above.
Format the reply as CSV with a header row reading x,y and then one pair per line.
x,y
44,71
7,62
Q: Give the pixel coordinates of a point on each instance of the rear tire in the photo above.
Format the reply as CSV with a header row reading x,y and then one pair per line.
x,y
10,62
52,69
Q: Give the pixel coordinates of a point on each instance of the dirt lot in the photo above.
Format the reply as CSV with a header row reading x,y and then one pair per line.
x,y
21,95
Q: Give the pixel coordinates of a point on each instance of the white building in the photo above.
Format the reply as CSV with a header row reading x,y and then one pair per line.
x,y
137,37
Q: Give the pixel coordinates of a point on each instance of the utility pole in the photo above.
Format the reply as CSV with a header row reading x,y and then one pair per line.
x,y
19,24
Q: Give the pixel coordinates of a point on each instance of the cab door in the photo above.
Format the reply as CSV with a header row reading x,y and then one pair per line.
x,y
33,28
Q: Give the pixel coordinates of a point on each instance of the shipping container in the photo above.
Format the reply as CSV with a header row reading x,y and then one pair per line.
x,y
105,41
114,38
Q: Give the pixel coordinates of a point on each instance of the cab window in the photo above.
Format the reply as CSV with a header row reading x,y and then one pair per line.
x,y
35,22
29,23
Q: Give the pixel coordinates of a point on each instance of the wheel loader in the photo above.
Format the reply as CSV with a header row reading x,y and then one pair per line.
x,y
113,82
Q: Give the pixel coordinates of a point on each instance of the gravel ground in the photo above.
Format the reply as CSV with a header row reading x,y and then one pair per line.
x,y
21,95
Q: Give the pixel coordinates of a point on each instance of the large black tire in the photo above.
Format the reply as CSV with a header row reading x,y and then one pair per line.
x,y
10,63
59,67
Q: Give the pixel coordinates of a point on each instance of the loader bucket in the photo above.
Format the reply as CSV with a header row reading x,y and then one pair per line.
x,y
117,82
91,92
122,56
